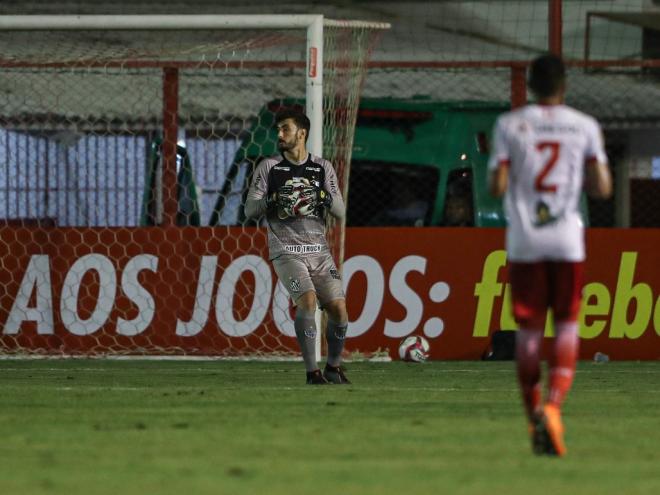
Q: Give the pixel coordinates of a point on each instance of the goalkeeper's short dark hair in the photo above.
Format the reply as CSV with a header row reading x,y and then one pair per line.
x,y
547,75
301,120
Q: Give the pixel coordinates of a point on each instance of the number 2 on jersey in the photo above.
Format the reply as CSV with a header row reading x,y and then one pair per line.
x,y
539,183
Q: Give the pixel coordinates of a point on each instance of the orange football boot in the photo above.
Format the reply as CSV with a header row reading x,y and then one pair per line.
x,y
552,424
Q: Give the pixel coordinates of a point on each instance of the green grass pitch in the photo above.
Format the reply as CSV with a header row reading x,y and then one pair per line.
x,y
219,427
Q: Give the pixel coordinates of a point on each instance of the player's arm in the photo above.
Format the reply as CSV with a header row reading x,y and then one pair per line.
x,y
498,163
498,180
259,198
330,195
598,179
258,202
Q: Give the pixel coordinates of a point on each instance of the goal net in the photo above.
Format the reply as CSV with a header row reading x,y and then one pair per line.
x,y
127,145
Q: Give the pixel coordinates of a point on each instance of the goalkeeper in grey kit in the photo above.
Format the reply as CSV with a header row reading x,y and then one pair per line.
x,y
295,190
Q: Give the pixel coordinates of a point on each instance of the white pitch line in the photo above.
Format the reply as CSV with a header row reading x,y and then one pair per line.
x,y
106,389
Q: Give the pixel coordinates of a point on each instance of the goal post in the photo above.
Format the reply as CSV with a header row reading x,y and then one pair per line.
x,y
314,51
91,97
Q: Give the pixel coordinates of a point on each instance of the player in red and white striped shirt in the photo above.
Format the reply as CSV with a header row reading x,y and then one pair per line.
x,y
543,155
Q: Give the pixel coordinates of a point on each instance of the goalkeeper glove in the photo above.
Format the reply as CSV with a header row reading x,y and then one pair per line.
x,y
317,197
280,198
324,198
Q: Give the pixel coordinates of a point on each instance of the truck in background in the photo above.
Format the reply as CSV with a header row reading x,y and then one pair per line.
x,y
416,162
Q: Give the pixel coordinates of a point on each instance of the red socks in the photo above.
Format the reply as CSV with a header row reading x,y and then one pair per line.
x,y
528,361
562,361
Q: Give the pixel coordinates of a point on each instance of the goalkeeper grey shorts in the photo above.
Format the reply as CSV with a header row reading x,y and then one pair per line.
x,y
312,272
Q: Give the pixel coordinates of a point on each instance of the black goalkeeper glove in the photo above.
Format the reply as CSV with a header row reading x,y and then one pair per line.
x,y
317,197
324,198
280,198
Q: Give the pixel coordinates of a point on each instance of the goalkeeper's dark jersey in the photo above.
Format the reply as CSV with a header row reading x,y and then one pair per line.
x,y
301,234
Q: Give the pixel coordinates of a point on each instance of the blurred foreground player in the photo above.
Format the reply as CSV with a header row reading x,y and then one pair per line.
x,y
542,155
295,190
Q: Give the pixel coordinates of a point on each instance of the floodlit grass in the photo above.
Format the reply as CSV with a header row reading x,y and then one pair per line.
x,y
154,427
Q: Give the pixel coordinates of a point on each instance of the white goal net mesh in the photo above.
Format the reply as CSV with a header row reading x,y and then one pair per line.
x,y
93,261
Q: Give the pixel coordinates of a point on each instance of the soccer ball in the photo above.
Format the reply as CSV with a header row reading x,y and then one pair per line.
x,y
414,349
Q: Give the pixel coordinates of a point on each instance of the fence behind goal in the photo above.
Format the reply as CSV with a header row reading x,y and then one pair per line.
x,y
461,55
477,52
101,209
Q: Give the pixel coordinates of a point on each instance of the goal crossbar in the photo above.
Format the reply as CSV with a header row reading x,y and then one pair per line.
x,y
313,23
113,22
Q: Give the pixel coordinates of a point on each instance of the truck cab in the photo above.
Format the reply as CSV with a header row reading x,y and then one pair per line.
x,y
423,163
